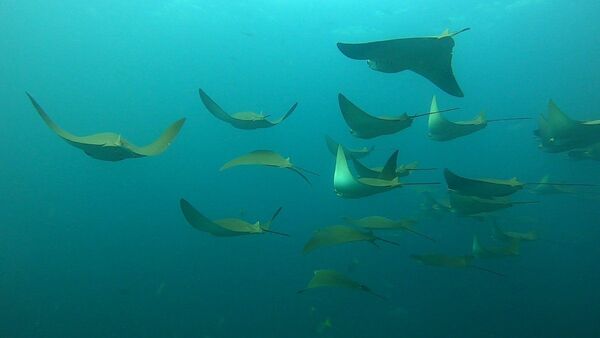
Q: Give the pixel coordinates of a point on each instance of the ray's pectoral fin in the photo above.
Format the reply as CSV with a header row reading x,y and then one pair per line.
x,y
162,143
440,73
53,126
289,112
214,108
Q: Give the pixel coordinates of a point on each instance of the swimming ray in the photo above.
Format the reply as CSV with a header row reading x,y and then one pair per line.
x,y
227,227
482,252
466,205
430,57
384,223
389,171
366,126
588,153
242,120
433,207
442,129
331,278
355,153
482,187
347,186
511,236
267,158
558,133
447,261
111,146
492,187
406,169
545,187
340,234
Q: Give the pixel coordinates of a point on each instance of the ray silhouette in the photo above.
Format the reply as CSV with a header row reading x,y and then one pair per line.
x,y
430,57
442,129
267,158
340,234
447,261
333,279
482,252
242,120
557,132
512,236
389,171
588,153
110,146
384,223
366,126
492,187
227,227
466,205
482,187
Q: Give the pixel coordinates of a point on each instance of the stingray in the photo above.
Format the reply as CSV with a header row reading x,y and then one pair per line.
x,y
492,187
348,186
340,234
473,205
111,146
545,187
245,119
442,129
430,57
357,153
446,261
366,126
511,236
482,187
332,278
406,169
432,203
588,153
226,227
433,206
482,252
389,171
558,132
267,158
384,223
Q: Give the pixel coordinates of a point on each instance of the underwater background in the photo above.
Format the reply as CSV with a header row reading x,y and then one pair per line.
x,y
100,249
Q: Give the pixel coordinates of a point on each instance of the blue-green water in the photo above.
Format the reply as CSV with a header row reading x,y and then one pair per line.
x,y
100,249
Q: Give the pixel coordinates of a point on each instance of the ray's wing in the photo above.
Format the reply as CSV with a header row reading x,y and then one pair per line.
x,y
355,117
162,143
435,63
257,157
200,222
214,108
61,132
289,112
430,57
375,50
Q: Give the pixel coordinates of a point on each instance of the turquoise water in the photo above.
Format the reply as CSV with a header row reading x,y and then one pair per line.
x,y
100,249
